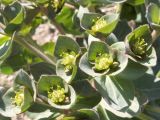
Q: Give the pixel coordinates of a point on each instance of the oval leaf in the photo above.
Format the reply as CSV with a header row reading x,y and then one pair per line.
x,y
64,44
118,93
153,15
87,96
14,15
5,46
23,79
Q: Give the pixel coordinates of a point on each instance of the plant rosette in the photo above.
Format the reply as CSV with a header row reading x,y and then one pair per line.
x,y
67,52
20,97
139,46
153,16
102,59
56,92
97,24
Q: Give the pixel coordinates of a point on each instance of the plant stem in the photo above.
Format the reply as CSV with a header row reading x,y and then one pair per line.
x,y
54,22
143,116
30,17
34,50
155,34
153,108
102,113
2,26
59,28
70,6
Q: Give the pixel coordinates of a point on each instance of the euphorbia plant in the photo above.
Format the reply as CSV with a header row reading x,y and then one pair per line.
x,y
103,64
102,59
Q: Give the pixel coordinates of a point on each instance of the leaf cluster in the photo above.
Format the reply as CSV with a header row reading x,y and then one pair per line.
x,y
104,64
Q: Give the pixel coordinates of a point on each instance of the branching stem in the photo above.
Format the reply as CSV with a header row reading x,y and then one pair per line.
x,y
34,50
102,112
58,27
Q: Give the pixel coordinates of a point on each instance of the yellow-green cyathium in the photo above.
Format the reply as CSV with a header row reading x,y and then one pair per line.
x,y
57,95
139,47
68,60
98,25
18,98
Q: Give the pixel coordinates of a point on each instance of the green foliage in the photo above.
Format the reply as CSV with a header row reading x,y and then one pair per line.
x,y
6,46
104,64
97,24
14,16
139,45
136,2
18,98
153,11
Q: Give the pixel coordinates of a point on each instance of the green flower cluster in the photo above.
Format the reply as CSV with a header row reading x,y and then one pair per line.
x,y
139,47
103,62
18,98
68,60
57,96
98,25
